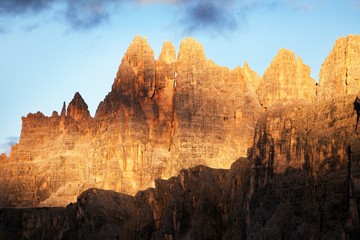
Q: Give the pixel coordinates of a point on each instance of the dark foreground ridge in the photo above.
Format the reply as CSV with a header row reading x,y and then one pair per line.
x,y
203,203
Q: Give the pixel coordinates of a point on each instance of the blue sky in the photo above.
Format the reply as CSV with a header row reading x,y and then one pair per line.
x,y
50,49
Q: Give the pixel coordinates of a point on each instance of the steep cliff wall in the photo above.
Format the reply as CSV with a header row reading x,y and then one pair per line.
x,y
320,142
340,73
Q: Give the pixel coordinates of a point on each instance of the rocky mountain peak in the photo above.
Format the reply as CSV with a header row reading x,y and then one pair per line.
x,y
136,74
77,108
286,79
139,52
340,73
168,53
251,77
63,110
191,53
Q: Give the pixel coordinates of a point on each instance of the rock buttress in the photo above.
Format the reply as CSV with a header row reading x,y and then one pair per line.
x,y
287,79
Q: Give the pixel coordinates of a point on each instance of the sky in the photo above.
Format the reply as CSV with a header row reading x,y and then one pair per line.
x,y
50,49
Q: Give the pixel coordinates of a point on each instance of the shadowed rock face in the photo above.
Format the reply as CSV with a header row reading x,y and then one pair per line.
x,y
204,203
200,203
300,180
310,153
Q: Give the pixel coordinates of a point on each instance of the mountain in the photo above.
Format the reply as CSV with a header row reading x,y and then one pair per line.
x,y
272,157
161,116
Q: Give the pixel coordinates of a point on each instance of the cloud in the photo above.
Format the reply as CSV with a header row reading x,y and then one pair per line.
x,y
217,16
10,141
18,7
192,15
202,15
208,15
78,14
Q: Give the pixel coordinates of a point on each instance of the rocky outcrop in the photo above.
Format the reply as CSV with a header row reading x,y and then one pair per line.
x,y
340,73
48,165
287,79
78,109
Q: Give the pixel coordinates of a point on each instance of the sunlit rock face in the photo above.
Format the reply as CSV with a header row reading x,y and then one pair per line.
x,y
287,79
160,116
340,73
50,163
215,109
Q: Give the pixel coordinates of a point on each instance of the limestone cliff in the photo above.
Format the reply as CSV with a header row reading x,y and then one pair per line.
x,y
340,73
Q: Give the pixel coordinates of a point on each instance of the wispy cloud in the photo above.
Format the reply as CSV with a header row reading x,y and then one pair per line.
x,y
10,141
